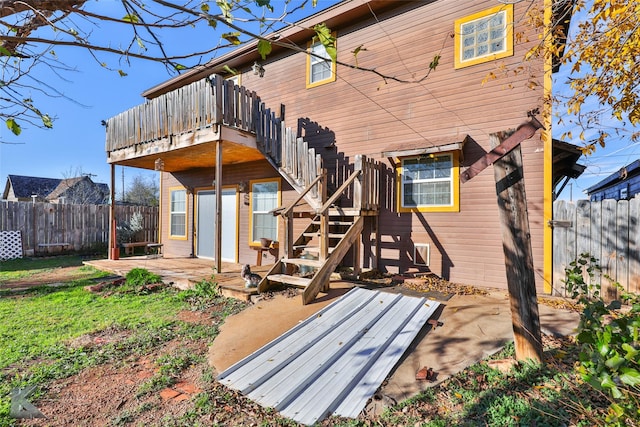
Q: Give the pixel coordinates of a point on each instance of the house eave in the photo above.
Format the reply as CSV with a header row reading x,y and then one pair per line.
x,y
335,16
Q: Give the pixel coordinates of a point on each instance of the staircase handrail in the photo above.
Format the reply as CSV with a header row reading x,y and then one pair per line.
x,y
338,193
285,212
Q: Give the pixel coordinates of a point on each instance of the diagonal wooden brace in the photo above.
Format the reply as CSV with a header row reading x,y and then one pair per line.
x,y
525,131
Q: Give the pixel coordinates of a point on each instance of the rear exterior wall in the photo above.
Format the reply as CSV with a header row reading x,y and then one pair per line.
x,y
362,113
233,175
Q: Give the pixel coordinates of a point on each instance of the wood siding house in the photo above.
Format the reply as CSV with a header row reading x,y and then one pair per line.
x,y
390,153
621,185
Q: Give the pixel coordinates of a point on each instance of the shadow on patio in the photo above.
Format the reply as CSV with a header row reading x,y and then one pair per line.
x,y
185,272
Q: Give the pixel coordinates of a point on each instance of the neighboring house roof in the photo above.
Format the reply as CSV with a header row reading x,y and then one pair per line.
x,y
24,187
629,172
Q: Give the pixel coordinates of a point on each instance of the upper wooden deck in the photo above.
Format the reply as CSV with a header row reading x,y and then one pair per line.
x,y
194,116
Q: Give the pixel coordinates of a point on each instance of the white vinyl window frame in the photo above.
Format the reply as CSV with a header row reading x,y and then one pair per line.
x,y
264,198
321,68
429,183
178,213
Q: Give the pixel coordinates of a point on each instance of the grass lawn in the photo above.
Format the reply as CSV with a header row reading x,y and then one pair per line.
x,y
52,337
38,326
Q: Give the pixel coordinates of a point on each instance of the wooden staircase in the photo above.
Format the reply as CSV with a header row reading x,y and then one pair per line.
x,y
312,256
306,269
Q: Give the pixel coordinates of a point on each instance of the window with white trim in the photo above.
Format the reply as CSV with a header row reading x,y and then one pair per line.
x,y
484,36
320,68
428,181
178,213
264,198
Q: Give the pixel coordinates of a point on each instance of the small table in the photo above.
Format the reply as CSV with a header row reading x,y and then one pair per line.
x,y
154,250
260,250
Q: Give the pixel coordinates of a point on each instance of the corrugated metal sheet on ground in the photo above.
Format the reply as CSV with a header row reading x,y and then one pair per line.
x,y
335,360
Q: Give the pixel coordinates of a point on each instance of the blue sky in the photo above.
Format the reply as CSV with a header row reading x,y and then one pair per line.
x,y
76,143
605,161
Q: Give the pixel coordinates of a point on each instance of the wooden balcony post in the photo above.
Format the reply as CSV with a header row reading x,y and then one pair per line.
x,y
216,85
218,224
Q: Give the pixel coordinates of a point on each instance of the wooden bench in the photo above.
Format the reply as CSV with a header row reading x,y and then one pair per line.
x,y
62,246
130,247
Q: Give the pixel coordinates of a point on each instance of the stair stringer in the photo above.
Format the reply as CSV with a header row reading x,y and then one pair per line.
x,y
321,279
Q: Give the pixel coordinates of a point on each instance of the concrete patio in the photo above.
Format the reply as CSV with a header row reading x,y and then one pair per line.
x,y
185,272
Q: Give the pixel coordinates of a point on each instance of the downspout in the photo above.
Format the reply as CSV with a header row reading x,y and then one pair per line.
x,y
548,151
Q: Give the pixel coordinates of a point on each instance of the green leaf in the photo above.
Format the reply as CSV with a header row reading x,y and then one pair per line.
x,y
140,43
265,3
630,376
13,126
229,70
131,17
327,39
264,48
122,73
179,67
233,38
614,362
4,51
46,121
614,305
631,351
213,23
204,7
434,63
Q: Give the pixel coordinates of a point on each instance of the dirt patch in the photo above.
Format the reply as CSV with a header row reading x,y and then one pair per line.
x,y
112,394
56,276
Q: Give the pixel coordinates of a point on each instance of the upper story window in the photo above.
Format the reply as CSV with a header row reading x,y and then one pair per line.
x,y
320,68
429,183
484,36
178,214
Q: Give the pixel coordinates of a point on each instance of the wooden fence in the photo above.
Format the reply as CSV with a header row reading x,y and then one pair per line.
x,y
45,227
608,230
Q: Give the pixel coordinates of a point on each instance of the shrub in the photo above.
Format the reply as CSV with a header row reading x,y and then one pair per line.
x,y
609,357
138,279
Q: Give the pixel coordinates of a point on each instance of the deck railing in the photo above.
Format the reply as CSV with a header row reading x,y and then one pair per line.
x,y
193,107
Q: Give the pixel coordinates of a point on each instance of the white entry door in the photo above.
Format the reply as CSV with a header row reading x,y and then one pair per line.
x,y
206,226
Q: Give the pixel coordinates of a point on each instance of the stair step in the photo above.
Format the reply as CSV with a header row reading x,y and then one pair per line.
x,y
344,223
313,249
338,211
301,261
302,282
